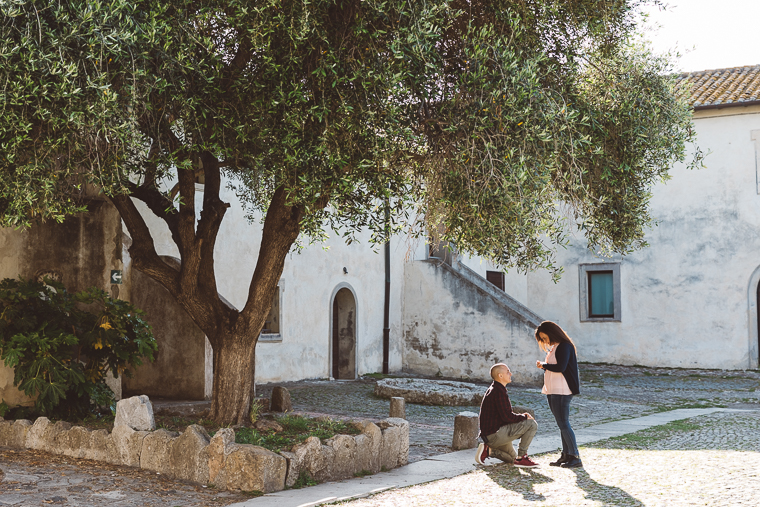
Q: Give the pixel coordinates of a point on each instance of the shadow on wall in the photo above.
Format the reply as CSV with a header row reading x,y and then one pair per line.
x,y
179,370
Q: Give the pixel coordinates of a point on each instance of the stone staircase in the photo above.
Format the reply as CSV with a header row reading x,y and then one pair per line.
x,y
457,324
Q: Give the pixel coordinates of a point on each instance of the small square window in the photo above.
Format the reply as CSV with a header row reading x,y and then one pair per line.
x,y
600,292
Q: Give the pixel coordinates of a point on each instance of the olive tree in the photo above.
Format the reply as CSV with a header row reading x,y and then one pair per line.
x,y
500,122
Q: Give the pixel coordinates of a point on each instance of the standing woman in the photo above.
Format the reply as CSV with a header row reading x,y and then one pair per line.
x,y
561,383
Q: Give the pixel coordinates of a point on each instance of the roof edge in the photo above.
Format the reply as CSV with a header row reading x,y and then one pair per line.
x,y
728,104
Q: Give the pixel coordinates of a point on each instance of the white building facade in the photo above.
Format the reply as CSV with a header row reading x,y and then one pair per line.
x,y
691,298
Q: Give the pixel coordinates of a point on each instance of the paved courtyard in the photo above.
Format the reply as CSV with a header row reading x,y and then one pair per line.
x,y
608,393
707,460
711,460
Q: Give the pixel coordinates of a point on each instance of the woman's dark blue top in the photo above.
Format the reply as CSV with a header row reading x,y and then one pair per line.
x,y
567,365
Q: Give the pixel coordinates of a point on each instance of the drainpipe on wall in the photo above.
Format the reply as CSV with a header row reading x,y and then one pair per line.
x,y
387,308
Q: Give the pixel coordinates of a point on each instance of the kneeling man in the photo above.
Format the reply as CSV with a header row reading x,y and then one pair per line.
x,y
499,426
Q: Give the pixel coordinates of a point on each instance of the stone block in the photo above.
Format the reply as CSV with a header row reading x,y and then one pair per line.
x,y
157,450
344,458
75,442
7,436
309,456
394,451
398,407
13,434
189,457
280,401
375,437
216,452
252,468
39,434
293,472
327,458
98,448
465,431
57,437
517,409
363,459
127,446
135,412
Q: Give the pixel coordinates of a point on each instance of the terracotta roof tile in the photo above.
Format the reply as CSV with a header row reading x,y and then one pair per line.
x,y
717,87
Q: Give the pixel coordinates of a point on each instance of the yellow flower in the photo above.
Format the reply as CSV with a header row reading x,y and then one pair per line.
x,y
106,325
98,344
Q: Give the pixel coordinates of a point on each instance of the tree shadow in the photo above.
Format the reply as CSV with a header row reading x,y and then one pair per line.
x,y
602,493
519,480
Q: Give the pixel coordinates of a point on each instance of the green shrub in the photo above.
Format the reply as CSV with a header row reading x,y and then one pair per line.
x,y
61,345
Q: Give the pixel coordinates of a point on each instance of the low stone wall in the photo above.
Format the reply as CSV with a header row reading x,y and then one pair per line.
x,y
194,456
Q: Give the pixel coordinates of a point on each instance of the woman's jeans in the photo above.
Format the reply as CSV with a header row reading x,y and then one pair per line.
x,y
559,404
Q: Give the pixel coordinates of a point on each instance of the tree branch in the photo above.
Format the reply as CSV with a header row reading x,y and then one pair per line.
x,y
143,250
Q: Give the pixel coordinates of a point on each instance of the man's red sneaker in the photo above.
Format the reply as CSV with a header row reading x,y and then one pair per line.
x,y
525,462
482,454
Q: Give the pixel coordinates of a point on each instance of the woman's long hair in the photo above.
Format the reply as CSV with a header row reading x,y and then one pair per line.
x,y
555,333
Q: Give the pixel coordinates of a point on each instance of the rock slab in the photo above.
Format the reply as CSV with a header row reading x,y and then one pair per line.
x,y
431,392
135,412
280,401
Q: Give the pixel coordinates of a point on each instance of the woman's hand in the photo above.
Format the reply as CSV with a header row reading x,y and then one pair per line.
x,y
539,365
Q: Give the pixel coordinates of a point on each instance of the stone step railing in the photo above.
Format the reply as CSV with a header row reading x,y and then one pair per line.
x,y
502,298
195,456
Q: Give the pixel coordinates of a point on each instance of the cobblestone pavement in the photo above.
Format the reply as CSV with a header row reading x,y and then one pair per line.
x,y
608,393
712,460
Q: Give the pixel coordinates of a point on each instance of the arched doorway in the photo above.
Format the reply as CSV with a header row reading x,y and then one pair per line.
x,y
753,298
344,334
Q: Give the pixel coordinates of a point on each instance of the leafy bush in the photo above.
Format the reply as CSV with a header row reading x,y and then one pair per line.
x,y
62,344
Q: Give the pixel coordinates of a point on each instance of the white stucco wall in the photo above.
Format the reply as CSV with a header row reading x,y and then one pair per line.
x,y
686,299
308,282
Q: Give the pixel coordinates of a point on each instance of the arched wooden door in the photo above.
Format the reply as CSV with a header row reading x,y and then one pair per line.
x,y
344,335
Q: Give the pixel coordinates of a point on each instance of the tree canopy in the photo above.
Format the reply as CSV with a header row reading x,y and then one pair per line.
x,y
494,120
484,115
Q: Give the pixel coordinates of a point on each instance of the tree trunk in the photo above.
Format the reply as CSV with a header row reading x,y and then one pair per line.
x,y
234,363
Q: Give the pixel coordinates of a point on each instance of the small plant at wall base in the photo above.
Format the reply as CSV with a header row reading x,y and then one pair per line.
x,y
61,344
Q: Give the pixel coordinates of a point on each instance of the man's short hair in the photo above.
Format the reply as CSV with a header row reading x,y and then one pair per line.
x,y
495,369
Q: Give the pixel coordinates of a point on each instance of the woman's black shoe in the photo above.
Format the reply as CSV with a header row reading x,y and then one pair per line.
x,y
562,459
573,462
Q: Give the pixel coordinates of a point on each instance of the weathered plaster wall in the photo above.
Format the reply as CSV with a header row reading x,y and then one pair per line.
x,y
81,252
178,370
307,285
686,300
453,327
